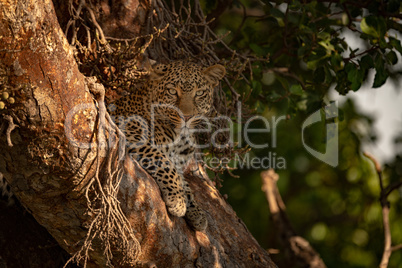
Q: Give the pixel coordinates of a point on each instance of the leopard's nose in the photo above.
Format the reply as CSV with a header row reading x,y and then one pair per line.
x,y
187,117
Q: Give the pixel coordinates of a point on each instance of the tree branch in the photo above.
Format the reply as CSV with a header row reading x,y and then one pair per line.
x,y
385,213
299,248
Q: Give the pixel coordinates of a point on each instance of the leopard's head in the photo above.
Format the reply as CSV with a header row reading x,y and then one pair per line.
x,y
183,91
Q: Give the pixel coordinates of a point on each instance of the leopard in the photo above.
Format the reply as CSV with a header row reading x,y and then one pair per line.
x,y
160,121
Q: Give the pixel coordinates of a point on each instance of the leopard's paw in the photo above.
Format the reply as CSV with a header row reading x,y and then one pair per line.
x,y
177,206
196,218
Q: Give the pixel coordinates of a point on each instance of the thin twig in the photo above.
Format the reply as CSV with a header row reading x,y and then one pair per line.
x,y
385,213
397,247
392,187
361,53
100,31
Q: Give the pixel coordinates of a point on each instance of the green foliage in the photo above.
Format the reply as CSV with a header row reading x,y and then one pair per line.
x,y
306,42
336,209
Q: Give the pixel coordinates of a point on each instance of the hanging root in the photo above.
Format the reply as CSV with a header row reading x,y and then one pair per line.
x,y
108,227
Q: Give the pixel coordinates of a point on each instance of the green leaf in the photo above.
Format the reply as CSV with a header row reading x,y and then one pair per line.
x,y
259,106
317,54
294,18
396,44
374,26
383,43
319,75
381,27
380,78
257,70
336,62
368,26
312,65
392,58
257,49
274,95
327,45
295,5
342,83
280,21
324,36
355,86
355,76
351,71
296,89
379,62
381,74
302,50
358,80
367,62
257,87
328,75
277,13
283,81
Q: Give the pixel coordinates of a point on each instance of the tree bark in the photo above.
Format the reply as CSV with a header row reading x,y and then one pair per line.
x,y
45,171
49,174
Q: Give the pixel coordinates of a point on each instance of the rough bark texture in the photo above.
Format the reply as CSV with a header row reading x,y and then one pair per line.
x,y
167,241
48,173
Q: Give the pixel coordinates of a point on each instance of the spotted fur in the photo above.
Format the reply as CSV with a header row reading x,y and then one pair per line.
x,y
157,121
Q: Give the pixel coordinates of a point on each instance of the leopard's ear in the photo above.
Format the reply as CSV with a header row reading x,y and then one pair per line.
x,y
157,71
214,73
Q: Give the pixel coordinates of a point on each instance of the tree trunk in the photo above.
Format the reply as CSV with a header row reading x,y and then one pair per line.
x,y
50,174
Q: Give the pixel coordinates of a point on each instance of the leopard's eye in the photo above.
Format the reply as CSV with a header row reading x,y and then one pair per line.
x,y
172,91
200,92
